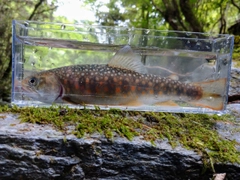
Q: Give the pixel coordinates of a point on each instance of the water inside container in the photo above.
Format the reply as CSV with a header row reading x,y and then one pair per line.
x,y
119,68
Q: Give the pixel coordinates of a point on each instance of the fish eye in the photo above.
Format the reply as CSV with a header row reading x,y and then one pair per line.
x,y
32,81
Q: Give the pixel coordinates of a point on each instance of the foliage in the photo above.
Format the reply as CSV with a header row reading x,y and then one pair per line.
x,y
187,15
18,9
236,52
192,131
217,16
67,44
190,15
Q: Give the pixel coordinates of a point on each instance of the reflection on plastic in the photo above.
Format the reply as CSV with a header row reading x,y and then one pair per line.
x,y
80,65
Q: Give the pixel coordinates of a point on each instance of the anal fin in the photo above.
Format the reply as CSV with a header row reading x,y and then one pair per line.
x,y
211,102
133,103
166,103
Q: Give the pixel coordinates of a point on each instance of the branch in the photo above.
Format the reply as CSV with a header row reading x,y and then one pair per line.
x,y
222,20
46,10
157,8
35,9
169,14
235,5
215,24
190,16
178,15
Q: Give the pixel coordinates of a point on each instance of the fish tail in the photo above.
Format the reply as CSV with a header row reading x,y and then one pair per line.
x,y
213,94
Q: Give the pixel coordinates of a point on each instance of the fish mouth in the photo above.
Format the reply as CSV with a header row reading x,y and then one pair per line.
x,y
60,93
27,90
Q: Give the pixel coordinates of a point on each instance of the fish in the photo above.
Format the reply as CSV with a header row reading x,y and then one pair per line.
x,y
123,81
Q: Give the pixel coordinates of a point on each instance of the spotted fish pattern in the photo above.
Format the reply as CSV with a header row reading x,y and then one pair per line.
x,y
105,81
123,81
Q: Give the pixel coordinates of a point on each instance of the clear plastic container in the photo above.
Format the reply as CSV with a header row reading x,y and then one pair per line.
x,y
120,67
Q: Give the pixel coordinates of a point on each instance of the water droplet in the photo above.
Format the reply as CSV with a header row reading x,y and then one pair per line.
x,y
207,47
211,98
225,62
90,30
26,23
63,26
147,31
175,53
130,29
219,69
214,69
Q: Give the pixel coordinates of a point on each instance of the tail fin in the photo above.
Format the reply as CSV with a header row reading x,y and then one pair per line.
x,y
213,94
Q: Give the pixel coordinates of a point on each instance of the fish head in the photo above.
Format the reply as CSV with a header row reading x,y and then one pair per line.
x,y
44,87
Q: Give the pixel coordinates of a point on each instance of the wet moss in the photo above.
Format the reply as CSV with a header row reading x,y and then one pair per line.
x,y
192,131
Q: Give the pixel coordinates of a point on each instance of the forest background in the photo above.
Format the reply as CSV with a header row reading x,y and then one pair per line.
x,y
217,16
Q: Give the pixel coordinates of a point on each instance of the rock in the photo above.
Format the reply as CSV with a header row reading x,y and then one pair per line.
x,y
234,93
32,151
234,88
234,109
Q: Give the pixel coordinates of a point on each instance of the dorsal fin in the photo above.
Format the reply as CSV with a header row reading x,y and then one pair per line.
x,y
126,59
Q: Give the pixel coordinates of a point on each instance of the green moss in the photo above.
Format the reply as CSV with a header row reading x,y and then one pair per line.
x,y
236,52
192,131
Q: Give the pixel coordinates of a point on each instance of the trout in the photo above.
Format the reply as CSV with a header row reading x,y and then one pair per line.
x,y
124,81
